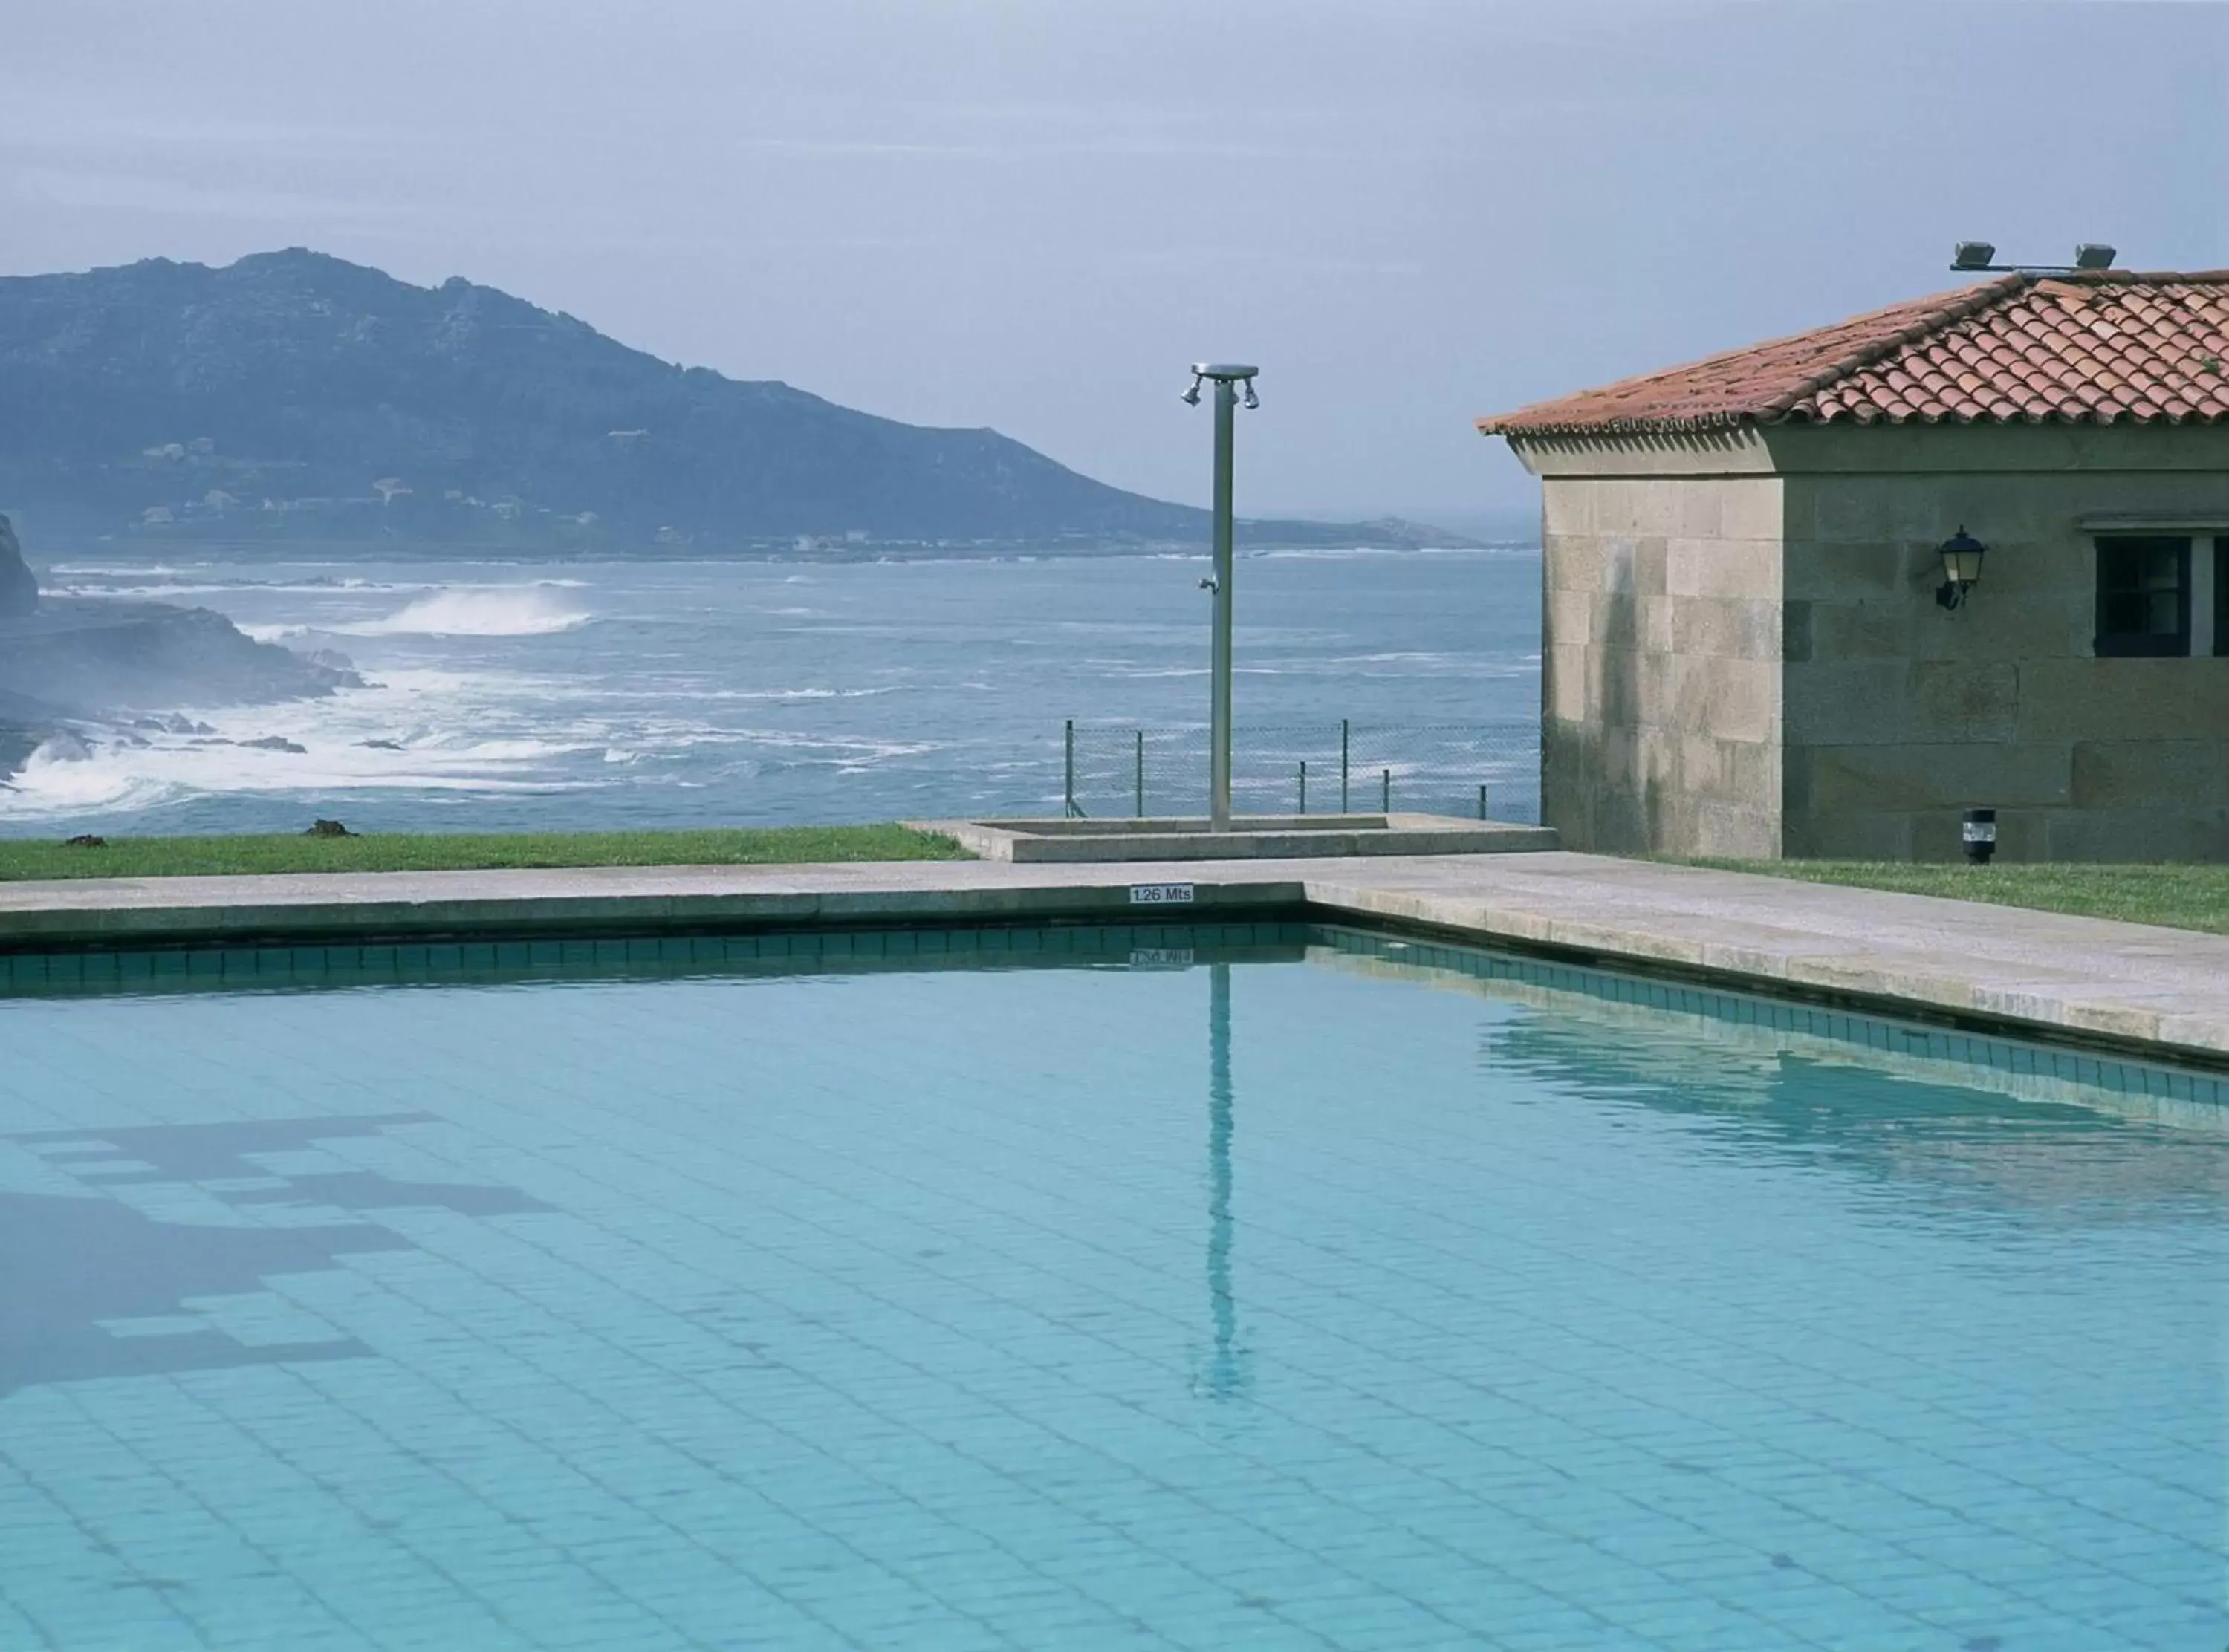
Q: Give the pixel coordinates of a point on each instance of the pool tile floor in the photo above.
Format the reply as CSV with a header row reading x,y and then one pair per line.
x,y
1274,1304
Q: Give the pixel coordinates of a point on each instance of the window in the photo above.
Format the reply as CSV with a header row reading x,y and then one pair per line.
x,y
2143,596
2221,596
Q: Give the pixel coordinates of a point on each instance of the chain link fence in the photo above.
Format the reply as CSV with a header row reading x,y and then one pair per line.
x,y
1472,769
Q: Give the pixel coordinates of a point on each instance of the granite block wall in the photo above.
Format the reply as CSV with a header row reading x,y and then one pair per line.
x,y
1742,654
1661,665
1900,714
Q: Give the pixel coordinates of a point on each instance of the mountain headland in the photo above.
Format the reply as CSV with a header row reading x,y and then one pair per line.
x,y
293,397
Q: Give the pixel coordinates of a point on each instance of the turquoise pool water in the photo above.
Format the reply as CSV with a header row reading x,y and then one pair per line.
x,y
1262,1286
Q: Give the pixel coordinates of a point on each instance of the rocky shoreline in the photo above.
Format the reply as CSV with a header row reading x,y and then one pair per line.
x,y
89,656
68,662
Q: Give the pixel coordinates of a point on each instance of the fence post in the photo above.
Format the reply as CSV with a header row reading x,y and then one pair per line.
x,y
1304,786
1385,803
1067,739
1141,774
1342,765
1481,800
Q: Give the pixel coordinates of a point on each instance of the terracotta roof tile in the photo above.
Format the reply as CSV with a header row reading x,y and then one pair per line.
x,y
2097,347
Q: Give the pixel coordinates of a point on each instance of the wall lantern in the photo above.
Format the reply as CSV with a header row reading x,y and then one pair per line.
x,y
1962,567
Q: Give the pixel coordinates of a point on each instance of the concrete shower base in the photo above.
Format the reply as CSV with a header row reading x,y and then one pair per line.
x,y
1251,837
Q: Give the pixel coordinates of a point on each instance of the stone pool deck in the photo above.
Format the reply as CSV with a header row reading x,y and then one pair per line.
x,y
2123,984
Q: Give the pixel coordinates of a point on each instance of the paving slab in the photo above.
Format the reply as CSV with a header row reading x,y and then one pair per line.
x,y
2121,982
2114,983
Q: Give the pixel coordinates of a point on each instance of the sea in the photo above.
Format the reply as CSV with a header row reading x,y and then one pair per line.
x,y
511,696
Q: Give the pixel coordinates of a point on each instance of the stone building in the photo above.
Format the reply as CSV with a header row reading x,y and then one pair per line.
x,y
1747,648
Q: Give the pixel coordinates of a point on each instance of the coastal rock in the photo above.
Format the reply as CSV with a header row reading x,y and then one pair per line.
x,y
25,725
76,669
91,656
19,590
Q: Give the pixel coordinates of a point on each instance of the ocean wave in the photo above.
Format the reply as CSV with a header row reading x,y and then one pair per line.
x,y
417,730
1322,554
1355,553
1395,664
501,610
422,731
784,694
692,695
842,749
232,587
64,779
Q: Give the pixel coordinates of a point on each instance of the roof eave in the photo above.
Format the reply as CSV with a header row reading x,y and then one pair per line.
x,y
1872,418
1514,425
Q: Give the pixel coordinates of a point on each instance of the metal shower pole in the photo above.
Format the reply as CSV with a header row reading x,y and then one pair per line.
x,y
1231,381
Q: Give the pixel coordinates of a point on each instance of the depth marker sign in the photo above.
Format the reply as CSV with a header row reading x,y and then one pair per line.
x,y
1160,895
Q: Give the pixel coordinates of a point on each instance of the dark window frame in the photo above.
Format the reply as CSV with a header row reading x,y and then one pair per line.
x,y
2221,595
2143,644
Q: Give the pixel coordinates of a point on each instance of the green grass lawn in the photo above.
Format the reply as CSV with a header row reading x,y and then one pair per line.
x,y
181,857
2182,897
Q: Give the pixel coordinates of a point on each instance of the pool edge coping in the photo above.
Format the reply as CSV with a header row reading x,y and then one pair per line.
x,y
1879,984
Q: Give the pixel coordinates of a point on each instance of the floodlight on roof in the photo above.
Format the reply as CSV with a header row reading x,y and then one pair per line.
x,y
1969,258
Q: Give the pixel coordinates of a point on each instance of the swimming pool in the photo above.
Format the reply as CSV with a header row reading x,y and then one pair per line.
x,y
1256,1285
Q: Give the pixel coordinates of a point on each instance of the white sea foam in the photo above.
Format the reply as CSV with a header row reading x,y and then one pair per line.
x,y
228,588
602,694
1322,554
501,610
422,731
437,731
1355,553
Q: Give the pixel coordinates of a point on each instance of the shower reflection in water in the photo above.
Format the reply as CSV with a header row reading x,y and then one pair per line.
x,y
1225,1377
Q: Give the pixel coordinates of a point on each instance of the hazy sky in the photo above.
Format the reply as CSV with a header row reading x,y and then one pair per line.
x,y
1032,214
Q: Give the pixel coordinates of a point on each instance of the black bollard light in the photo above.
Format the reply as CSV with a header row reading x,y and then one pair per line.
x,y
1977,829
